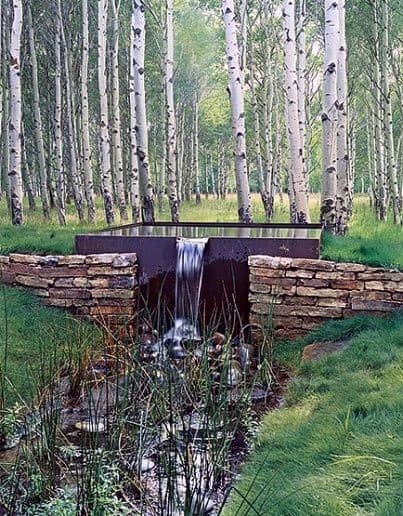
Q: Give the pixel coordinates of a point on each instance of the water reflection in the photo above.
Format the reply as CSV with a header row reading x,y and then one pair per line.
x,y
212,231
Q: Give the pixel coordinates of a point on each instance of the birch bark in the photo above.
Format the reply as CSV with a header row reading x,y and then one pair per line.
x,y
85,125
38,117
343,163
387,109
134,168
74,171
170,114
116,124
27,177
329,118
146,189
4,144
264,194
106,175
301,46
381,160
60,183
196,170
237,102
15,171
297,182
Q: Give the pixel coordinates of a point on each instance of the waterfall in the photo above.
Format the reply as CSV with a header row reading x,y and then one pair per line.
x,y
188,280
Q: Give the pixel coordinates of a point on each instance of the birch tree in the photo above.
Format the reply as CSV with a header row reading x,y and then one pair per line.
x,y
106,175
60,183
15,171
387,111
343,184
297,182
329,117
264,193
301,71
237,102
139,40
70,112
116,124
196,170
85,123
38,116
134,169
170,114
5,74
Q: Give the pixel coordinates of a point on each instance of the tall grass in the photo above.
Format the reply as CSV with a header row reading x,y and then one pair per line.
x,y
182,416
336,448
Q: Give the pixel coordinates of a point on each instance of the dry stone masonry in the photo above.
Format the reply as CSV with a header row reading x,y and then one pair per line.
x,y
298,294
102,287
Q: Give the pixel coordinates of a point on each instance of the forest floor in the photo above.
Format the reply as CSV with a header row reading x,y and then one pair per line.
x,y
369,241
336,448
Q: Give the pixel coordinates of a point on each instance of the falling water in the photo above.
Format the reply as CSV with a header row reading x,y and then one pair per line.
x,y
189,274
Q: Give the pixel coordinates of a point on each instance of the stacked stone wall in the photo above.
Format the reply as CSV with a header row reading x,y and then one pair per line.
x,y
102,287
298,294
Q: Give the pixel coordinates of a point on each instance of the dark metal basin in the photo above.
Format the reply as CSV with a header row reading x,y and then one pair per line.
x,y
226,274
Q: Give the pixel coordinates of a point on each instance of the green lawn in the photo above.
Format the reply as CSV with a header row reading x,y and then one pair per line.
x,y
33,340
337,448
369,241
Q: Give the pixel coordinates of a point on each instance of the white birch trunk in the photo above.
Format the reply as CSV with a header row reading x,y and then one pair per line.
x,y
302,87
268,112
38,117
85,124
382,207
387,109
196,170
146,189
243,16
74,172
116,125
264,194
343,184
373,167
60,183
170,114
5,142
15,171
106,175
329,117
27,178
134,168
163,131
238,111
297,182
181,158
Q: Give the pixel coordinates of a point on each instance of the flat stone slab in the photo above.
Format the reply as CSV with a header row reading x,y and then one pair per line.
x,y
317,350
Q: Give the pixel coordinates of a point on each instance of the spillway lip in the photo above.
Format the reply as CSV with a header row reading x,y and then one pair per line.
x,y
268,225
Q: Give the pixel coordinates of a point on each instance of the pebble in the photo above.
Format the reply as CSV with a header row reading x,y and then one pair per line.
x,y
90,426
146,465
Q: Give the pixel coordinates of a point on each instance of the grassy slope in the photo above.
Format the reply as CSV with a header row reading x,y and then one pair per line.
x,y
337,447
369,241
32,339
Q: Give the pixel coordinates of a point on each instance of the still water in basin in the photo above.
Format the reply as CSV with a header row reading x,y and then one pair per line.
x,y
211,232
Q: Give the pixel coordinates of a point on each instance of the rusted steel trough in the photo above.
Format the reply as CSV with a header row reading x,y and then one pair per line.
x,y
226,275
